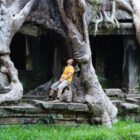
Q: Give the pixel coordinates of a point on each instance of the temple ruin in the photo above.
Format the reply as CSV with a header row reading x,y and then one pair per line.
x,y
50,36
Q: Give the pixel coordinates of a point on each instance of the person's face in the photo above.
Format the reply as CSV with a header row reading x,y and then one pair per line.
x,y
70,61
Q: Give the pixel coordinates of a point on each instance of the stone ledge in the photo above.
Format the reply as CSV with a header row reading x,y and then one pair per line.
x,y
31,111
129,107
76,107
132,100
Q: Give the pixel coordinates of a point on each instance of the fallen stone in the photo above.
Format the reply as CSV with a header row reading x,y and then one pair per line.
x,y
113,92
128,107
132,100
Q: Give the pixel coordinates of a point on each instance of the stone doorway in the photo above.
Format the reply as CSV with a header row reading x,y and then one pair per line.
x,y
34,57
108,59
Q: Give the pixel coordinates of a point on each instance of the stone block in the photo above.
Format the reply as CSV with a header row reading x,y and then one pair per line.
x,y
61,122
70,123
22,108
60,106
132,100
42,104
78,107
47,106
137,96
7,121
128,107
113,92
69,115
82,119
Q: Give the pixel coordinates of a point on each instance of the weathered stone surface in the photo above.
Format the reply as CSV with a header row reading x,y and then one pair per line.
x,y
70,116
31,111
82,119
30,30
129,107
42,104
7,121
136,96
70,122
78,107
21,108
123,15
60,106
35,97
113,92
132,100
130,65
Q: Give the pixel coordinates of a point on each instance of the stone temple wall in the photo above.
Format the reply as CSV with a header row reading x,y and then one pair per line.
x,y
30,111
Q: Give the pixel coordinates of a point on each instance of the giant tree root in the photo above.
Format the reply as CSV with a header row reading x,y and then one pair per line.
x,y
136,17
103,17
124,5
96,98
16,87
12,16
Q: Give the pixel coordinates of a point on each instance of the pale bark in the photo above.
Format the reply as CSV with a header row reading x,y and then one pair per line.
x,y
10,23
115,4
79,40
76,30
136,17
124,5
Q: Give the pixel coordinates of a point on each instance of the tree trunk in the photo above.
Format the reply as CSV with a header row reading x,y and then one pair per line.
x,y
10,23
77,35
73,16
136,17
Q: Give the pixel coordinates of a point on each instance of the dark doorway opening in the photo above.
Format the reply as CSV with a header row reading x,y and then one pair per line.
x,y
34,57
18,51
107,55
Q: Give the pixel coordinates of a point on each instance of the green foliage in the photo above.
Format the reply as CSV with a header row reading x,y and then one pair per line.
x,y
97,6
124,130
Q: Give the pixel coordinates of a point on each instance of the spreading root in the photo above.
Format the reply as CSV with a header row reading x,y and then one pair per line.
x,y
15,94
103,16
136,17
8,68
103,108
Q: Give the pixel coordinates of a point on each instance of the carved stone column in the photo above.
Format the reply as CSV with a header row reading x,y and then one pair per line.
x,y
130,65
